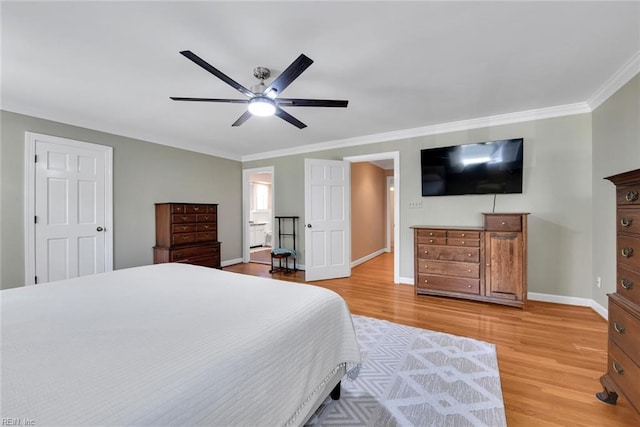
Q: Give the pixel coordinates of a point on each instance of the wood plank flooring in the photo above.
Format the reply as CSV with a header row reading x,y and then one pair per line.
x,y
550,356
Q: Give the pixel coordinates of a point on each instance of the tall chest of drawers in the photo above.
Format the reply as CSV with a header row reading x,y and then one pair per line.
x,y
623,367
188,233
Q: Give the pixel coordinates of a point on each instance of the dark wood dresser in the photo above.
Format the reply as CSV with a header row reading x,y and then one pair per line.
x,y
479,263
187,232
623,367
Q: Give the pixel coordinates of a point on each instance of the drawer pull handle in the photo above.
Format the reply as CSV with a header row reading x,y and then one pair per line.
x,y
426,281
627,252
469,271
462,243
426,252
430,240
468,286
462,235
185,237
503,223
426,266
196,209
627,284
618,327
468,254
631,196
184,217
184,227
617,367
626,222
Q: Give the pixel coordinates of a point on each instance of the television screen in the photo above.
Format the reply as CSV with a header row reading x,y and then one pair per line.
x,y
493,167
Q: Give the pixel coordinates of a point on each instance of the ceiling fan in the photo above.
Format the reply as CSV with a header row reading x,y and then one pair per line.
x,y
263,100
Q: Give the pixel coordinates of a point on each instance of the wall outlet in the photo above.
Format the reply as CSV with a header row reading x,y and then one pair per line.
x,y
599,282
415,205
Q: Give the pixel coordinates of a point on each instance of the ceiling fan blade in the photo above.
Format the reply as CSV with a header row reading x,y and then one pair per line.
x,y
290,74
219,74
294,102
230,101
289,118
243,118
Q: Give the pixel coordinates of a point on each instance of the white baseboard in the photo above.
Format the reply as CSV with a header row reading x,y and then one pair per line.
x,y
560,299
368,257
229,262
406,280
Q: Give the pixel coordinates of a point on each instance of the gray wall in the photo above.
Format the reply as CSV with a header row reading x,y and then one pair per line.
x,y
144,174
616,149
557,193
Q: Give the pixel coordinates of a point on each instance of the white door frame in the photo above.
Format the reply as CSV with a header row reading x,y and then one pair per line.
x,y
246,174
395,155
390,221
29,200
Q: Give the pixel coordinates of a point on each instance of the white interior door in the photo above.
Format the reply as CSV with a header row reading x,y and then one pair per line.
x,y
72,226
327,186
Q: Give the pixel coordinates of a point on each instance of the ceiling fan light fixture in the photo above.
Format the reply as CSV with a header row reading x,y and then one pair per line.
x,y
262,106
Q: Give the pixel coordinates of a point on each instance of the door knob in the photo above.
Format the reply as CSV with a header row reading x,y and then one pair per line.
x,y
308,225
99,229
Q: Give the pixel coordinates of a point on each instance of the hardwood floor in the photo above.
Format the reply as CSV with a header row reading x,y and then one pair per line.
x,y
550,356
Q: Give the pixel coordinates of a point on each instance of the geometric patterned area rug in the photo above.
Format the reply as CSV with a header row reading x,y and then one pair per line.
x,y
415,377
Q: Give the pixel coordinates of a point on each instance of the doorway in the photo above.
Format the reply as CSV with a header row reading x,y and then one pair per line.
x,y
258,195
388,204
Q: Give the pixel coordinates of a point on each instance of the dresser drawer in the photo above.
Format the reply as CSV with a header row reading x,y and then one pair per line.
x,y
459,269
196,209
206,226
204,237
186,254
182,218
178,208
183,228
503,222
183,238
432,240
463,242
629,252
628,195
450,284
629,221
624,330
625,374
207,217
463,234
628,285
448,253
430,233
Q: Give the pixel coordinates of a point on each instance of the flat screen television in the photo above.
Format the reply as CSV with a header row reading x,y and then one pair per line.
x,y
493,167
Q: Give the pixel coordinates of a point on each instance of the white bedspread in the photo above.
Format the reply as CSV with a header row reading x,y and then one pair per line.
x,y
148,346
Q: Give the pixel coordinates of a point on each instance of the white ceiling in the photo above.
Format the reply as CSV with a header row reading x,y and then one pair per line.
x,y
111,66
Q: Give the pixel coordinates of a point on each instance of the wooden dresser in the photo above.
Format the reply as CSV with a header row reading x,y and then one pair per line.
x,y
623,367
187,232
480,263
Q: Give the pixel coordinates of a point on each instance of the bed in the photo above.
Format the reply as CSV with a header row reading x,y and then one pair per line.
x,y
172,344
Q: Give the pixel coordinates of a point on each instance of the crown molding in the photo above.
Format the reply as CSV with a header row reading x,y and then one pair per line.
x,y
482,122
628,71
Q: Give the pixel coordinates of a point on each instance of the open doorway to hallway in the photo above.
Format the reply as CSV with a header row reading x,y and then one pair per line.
x,y
374,208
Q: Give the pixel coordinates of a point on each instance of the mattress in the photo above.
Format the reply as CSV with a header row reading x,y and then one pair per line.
x,y
170,344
